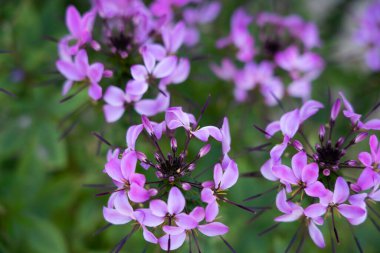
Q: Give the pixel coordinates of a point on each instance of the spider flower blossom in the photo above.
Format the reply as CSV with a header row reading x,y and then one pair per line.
x,y
368,34
176,203
134,46
324,180
286,45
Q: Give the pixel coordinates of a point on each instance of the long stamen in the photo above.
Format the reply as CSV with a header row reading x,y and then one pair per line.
x,y
120,245
228,245
333,223
260,194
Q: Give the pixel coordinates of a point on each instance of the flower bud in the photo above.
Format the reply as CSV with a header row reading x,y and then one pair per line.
x,y
204,150
159,174
326,172
186,186
141,156
340,142
173,144
191,167
322,132
297,145
335,109
352,163
171,179
108,73
157,157
361,137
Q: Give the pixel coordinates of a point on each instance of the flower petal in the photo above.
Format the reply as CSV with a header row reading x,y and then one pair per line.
x,y
315,210
114,217
310,173
213,229
176,241
316,235
284,173
341,191
165,67
185,221
176,201
212,210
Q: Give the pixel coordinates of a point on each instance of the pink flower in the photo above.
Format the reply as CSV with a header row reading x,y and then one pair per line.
x,y
291,211
80,70
80,29
301,174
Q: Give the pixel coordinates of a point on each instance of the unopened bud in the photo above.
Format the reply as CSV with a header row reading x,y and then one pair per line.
x,y
108,73
95,45
318,147
186,186
340,142
191,167
171,179
352,163
326,172
141,156
315,157
297,145
157,157
322,132
204,150
173,144
335,109
361,137
159,174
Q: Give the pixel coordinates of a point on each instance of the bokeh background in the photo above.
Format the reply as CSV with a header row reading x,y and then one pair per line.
x,y
47,151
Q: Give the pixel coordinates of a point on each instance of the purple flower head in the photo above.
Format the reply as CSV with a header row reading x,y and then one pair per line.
x,y
285,45
321,181
162,207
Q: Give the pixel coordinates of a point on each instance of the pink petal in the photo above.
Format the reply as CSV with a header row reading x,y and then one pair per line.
x,y
172,230
146,218
122,204
365,158
128,164
316,189
226,137
95,91
185,221
69,70
373,124
95,72
299,161
176,241
73,21
284,173
272,128
139,72
150,107
310,173
290,123
204,133
277,151
218,174
341,191
198,213
351,212
213,229
158,207
315,210
113,113
181,72
365,181
138,193
136,88
114,96
290,217
212,210
176,201
112,168
114,217
230,175
177,37
81,61
149,60
149,236
207,195
316,235
66,87
165,67
282,203
266,170
310,108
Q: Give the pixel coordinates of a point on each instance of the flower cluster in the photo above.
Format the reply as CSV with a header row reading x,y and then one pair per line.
x,y
284,45
174,204
139,44
368,34
323,180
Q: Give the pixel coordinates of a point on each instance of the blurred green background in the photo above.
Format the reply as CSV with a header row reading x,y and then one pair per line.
x,y
43,204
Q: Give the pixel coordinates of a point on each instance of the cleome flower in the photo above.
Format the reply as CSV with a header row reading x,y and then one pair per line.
x,y
322,182
159,192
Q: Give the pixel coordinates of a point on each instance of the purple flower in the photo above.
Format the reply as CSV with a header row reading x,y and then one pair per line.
x,y
165,201
78,70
